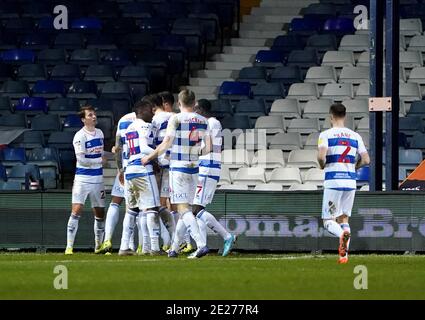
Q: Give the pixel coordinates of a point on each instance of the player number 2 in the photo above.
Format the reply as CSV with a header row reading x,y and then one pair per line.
x,y
343,158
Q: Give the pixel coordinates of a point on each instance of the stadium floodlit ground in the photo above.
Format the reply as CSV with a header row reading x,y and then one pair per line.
x,y
238,276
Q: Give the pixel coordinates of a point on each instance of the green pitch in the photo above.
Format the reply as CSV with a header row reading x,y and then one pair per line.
x,y
239,276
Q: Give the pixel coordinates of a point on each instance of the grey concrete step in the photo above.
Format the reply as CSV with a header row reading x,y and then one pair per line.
x,y
246,42
208,81
216,65
243,50
231,57
261,26
203,89
261,34
220,74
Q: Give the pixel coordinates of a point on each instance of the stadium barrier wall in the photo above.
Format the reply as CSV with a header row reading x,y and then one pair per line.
x,y
276,221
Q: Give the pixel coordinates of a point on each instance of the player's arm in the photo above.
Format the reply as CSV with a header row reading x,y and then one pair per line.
x,y
118,152
80,153
208,145
364,159
322,151
166,143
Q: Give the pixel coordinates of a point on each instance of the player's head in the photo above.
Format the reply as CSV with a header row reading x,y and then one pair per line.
x,y
87,115
337,112
186,99
203,107
144,110
155,100
167,100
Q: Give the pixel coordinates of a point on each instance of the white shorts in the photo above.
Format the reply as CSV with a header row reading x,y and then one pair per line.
x,y
182,187
142,192
205,190
337,203
95,191
118,188
163,178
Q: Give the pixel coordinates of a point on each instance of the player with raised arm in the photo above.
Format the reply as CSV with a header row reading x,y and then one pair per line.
x,y
209,175
338,148
117,192
88,180
185,133
141,189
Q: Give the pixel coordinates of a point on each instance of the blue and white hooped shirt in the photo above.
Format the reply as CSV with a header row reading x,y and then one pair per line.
x,y
123,124
90,146
210,164
343,146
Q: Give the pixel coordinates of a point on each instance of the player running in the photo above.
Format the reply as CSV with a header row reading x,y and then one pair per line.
x,y
88,180
185,133
209,175
338,148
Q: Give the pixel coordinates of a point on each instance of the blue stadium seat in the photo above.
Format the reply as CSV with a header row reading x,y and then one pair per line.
x,y
66,72
9,10
304,59
101,41
90,24
155,26
194,35
322,43
304,27
417,108
49,89
269,58
13,155
410,124
322,11
105,10
175,47
156,62
209,19
119,27
339,26
100,74
253,75
82,90
45,25
235,90
137,77
137,42
35,10
72,122
170,11
31,105
411,157
17,56
363,175
287,43
17,26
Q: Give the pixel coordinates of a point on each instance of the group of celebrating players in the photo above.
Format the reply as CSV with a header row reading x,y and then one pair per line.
x,y
168,168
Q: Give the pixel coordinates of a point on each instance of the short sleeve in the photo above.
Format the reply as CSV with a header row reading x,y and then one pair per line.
x,y
172,126
361,146
323,141
79,143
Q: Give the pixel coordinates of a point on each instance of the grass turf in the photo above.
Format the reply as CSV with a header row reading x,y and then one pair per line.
x,y
239,276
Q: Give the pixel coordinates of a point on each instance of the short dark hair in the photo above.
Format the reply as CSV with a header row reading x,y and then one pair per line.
x,y
337,110
142,104
154,98
167,97
204,106
82,112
